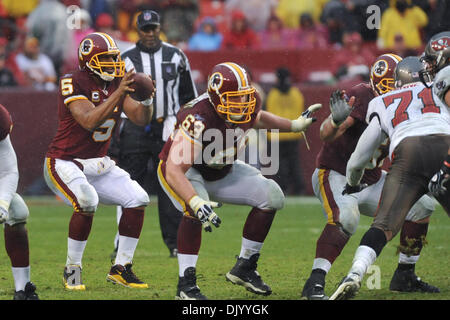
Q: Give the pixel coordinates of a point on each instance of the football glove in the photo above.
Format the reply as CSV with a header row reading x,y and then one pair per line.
x,y
3,215
436,184
339,108
304,121
204,212
348,189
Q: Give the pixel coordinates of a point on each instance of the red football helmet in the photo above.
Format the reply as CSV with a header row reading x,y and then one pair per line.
x,y
382,73
90,55
231,93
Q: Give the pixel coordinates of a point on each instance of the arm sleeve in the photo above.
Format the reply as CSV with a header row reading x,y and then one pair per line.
x,y
368,143
9,173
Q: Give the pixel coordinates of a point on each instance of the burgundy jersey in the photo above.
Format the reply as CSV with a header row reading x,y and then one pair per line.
x,y
71,139
195,118
334,155
5,122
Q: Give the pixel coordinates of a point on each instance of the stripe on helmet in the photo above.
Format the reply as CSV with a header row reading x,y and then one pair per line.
x,y
394,57
238,72
110,41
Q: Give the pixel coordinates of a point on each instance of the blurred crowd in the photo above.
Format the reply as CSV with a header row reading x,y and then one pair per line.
x,y
39,38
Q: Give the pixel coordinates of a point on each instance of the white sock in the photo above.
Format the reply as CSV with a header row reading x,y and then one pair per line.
x,y
249,248
403,258
125,252
75,250
364,257
21,277
321,263
185,261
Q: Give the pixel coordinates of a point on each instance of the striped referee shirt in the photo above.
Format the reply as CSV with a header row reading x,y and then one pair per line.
x,y
170,68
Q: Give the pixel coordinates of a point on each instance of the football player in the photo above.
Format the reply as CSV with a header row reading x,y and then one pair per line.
x,y
436,57
76,167
14,213
418,126
340,133
195,179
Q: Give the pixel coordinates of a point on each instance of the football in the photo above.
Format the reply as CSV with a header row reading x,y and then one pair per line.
x,y
143,86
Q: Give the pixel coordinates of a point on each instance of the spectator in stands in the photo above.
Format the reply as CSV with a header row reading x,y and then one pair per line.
x,y
400,48
48,23
352,61
17,9
105,23
337,16
7,78
287,101
290,11
402,18
276,36
310,35
438,12
239,35
207,38
36,66
178,17
257,12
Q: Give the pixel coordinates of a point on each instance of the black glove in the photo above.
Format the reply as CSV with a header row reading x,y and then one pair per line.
x,y
348,189
339,107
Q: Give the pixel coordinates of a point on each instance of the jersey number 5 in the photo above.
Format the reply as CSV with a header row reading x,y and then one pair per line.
x,y
401,114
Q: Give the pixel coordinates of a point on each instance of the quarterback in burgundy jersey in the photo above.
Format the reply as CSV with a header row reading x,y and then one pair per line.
x,y
340,133
76,167
199,167
14,213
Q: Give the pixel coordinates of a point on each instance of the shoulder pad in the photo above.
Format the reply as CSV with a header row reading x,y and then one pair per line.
x,y
441,83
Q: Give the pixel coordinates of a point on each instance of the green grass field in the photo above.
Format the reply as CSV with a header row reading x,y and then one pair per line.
x,y
285,262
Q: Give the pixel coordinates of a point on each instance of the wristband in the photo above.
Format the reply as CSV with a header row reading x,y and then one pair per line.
x,y
334,123
147,102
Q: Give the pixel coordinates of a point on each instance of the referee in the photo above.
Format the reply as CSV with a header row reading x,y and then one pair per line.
x,y
136,148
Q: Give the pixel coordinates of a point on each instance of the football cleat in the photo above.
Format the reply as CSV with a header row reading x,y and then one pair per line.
x,y
314,291
173,253
348,287
28,293
187,288
124,276
407,281
244,274
72,278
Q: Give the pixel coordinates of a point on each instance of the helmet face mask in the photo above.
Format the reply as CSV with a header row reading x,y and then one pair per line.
x,y
382,73
437,53
230,92
98,53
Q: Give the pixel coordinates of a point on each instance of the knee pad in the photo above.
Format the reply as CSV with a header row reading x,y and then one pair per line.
x,y
18,211
140,197
422,209
349,220
87,198
275,196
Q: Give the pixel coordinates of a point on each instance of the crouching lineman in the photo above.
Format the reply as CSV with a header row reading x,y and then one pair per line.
x,y
192,179
76,167
418,126
14,213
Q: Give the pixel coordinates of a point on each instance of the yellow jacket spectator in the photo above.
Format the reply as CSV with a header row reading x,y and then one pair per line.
x,y
17,9
286,101
402,18
290,11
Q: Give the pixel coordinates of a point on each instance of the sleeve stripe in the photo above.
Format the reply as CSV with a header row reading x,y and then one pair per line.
x,y
73,98
189,138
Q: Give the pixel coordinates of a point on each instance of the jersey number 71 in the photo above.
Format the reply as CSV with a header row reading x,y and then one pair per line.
x,y
401,114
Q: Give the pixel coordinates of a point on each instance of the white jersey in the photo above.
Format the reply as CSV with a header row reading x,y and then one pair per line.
x,y
441,83
413,110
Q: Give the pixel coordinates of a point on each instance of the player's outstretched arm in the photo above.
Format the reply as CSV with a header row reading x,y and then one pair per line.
x,y
339,120
268,120
140,113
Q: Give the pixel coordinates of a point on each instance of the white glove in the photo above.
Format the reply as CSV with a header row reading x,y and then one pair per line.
x,y
147,102
304,121
3,215
204,212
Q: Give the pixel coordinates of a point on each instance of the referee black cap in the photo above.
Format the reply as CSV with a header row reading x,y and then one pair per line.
x,y
147,18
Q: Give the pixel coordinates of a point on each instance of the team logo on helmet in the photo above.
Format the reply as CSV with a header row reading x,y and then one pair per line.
x,y
440,44
86,46
215,81
380,68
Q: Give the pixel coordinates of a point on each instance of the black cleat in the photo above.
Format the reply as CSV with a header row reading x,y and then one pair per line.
x,y
28,293
244,273
187,288
407,281
314,290
173,253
